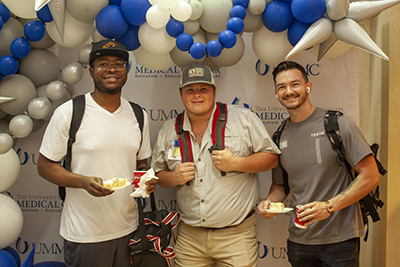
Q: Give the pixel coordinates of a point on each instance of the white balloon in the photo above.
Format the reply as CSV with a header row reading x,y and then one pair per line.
x,y
21,126
11,220
167,3
21,88
197,9
40,66
85,11
191,26
151,61
76,33
157,17
155,41
39,108
83,53
256,7
153,2
6,143
270,47
72,73
45,43
11,30
252,22
181,11
55,90
231,56
22,8
96,36
215,15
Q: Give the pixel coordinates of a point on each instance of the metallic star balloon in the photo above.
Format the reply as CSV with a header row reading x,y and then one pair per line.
x,y
5,99
40,3
344,17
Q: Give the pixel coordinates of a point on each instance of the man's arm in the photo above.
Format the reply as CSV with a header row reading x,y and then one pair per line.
x,y
57,174
368,178
224,160
276,194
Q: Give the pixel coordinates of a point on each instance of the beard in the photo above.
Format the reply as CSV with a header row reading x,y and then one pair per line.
x,y
101,88
299,98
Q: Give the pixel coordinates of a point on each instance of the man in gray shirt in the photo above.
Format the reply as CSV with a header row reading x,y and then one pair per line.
x,y
330,197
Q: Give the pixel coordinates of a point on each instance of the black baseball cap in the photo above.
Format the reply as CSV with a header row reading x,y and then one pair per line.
x,y
196,73
108,48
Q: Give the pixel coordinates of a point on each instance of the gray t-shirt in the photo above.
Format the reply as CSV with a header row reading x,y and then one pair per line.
x,y
314,175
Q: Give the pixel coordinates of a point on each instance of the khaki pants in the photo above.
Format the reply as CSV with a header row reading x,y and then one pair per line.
x,y
234,246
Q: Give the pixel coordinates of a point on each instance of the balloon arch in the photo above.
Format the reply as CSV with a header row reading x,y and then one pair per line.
x,y
160,34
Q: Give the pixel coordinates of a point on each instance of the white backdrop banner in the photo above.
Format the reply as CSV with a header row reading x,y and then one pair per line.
x,y
249,83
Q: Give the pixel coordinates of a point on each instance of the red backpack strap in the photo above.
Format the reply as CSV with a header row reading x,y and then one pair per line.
x,y
185,145
218,128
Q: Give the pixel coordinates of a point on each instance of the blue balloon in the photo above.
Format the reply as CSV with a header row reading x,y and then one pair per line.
x,y
20,47
308,11
174,27
1,23
110,22
8,65
131,38
7,260
238,11
50,264
243,3
277,16
34,30
214,48
115,2
12,251
5,13
296,31
184,41
197,50
227,38
44,14
235,24
134,11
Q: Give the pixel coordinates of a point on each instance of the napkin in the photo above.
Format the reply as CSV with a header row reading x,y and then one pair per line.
x,y
141,190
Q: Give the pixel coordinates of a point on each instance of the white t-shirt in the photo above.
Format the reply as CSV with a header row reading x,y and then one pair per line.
x,y
106,146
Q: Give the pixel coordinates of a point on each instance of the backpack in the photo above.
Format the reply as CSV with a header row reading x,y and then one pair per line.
x,y
370,203
218,134
78,104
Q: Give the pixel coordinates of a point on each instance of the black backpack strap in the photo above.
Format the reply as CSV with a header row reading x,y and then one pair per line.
x,y
276,137
218,128
78,109
140,119
332,131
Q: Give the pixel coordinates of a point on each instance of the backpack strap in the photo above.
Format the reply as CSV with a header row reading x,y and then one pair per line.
x,y
276,137
332,131
137,109
78,109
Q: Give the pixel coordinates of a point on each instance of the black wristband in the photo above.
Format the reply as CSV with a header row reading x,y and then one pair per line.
x,y
142,169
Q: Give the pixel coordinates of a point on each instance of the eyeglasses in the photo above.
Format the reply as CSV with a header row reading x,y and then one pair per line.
x,y
106,65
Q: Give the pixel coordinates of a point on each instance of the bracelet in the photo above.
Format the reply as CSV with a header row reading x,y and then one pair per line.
x,y
142,169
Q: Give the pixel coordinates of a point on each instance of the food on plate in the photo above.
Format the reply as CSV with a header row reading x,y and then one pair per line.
x,y
115,183
276,206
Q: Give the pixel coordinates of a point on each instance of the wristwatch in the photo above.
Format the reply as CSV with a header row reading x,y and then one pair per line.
x,y
329,207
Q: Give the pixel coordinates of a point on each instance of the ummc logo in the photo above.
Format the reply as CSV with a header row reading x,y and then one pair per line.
x,y
312,69
275,252
23,246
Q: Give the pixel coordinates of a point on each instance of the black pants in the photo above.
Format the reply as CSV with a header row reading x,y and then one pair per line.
x,y
342,254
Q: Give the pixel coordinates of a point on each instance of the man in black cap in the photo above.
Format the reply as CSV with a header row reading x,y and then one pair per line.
x,y
97,222
217,190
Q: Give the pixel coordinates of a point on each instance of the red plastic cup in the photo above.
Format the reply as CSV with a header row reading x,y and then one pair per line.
x,y
296,221
137,175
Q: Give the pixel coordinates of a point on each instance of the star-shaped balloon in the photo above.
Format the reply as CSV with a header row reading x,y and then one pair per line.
x,y
5,99
341,22
57,10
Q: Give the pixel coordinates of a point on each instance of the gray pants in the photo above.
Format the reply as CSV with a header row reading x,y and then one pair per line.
x,y
112,253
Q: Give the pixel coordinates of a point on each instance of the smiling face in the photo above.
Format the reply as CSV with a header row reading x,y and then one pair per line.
x,y
198,99
111,80
291,88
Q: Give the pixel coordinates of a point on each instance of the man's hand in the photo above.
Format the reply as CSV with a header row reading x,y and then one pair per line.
x,y
94,186
184,172
223,160
262,210
313,212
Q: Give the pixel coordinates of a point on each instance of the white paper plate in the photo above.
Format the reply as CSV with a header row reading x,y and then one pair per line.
x,y
285,210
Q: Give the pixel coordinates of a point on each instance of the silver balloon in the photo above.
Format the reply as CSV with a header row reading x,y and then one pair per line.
x,y
72,73
55,90
39,108
6,142
21,88
83,53
21,126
